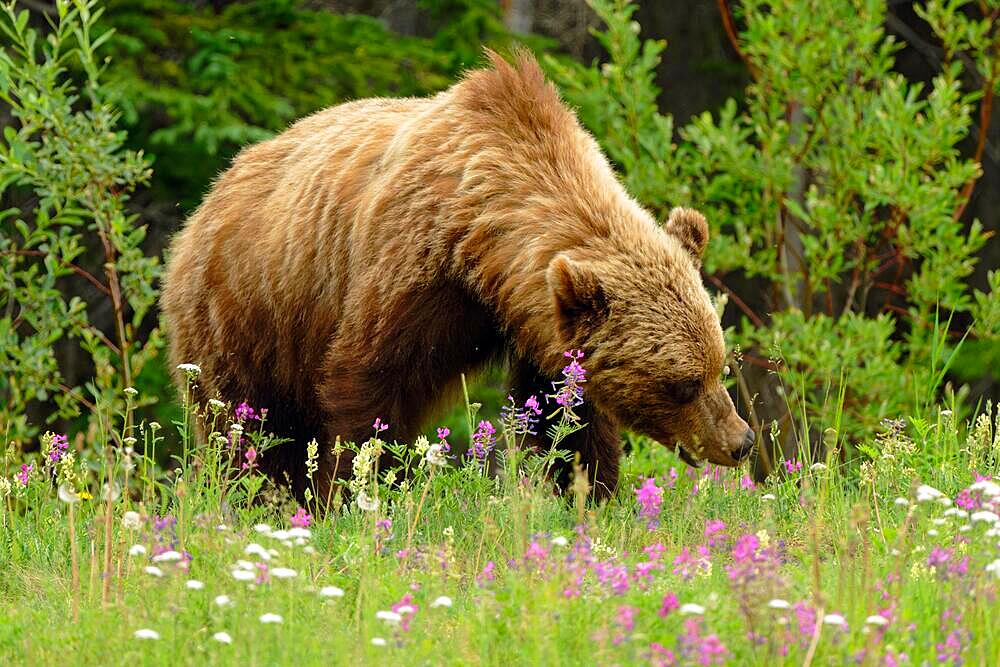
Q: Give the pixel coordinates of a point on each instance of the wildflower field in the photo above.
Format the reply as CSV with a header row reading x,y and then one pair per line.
x,y
473,559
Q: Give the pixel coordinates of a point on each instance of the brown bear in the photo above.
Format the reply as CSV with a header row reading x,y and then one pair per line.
x,y
357,264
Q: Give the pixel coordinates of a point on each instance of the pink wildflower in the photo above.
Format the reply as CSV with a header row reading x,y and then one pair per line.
x,y
301,519
25,473
670,603
650,497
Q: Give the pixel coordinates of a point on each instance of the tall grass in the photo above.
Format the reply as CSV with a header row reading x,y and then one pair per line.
x,y
892,559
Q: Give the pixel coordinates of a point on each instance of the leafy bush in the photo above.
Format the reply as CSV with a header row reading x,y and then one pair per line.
x,y
64,161
195,85
834,191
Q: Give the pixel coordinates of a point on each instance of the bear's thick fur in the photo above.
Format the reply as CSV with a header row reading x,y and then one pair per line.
x,y
355,265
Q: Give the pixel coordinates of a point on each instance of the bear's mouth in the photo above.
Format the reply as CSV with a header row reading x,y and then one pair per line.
x,y
689,458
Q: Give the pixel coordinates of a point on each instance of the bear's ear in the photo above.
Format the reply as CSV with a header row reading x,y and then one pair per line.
x,y
579,297
690,228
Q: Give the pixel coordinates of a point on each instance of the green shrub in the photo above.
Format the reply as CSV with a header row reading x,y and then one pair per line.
x,y
64,160
834,192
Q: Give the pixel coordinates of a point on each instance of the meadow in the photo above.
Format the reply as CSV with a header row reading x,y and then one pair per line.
x,y
473,558
852,262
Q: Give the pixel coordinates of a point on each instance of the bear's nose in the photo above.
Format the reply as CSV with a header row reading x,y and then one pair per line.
x,y
749,438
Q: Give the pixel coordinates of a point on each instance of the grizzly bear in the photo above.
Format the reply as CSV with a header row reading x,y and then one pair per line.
x,y
357,264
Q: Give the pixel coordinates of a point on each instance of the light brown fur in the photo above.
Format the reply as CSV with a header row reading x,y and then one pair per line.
x,y
355,265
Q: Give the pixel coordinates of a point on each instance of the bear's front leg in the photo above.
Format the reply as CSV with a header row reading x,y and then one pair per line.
x,y
598,444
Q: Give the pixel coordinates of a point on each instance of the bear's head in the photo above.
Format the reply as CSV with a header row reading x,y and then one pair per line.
x,y
655,356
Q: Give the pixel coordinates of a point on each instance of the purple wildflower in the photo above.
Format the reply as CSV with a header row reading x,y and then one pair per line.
x,y
661,656
57,447
792,466
521,421
25,473
379,426
569,392
747,483
483,441
650,497
443,432
246,413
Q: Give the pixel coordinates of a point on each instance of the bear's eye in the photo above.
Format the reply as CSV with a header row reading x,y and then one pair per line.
x,y
683,391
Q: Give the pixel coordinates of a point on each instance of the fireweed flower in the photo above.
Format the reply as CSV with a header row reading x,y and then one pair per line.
x,y
379,426
687,565
625,621
536,556
701,649
483,441
670,603
792,466
406,609
301,519
713,532
568,391
487,575
754,574
649,497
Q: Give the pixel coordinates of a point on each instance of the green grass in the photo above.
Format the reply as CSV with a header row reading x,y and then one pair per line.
x,y
832,539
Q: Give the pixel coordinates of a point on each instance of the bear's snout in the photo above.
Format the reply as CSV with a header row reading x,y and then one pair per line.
x,y
743,451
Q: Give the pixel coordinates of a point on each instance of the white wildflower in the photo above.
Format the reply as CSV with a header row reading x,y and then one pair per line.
x,y
194,585
153,570
560,541
987,487
435,455
927,493
902,502
254,549
331,592
366,503
167,557
954,511
768,496
222,638
985,516
137,550
283,573
299,532
131,520
223,600
834,619
191,370
441,601
216,404
817,467
146,633
245,565
378,641
691,608
243,575
778,603
994,567
67,494
388,616
877,619
271,618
